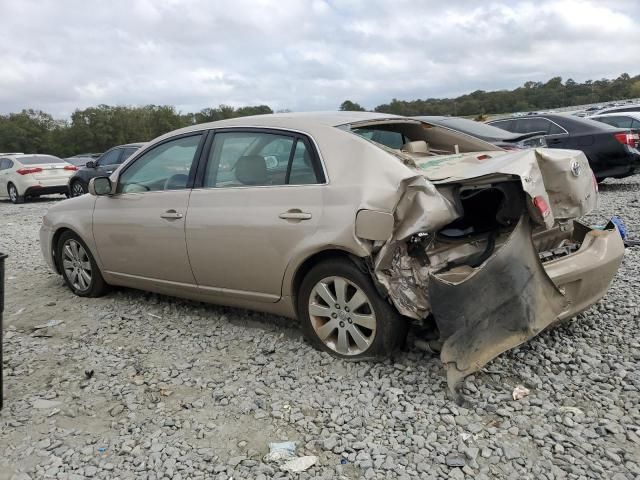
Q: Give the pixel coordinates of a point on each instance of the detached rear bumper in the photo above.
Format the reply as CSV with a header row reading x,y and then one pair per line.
x,y
512,297
585,276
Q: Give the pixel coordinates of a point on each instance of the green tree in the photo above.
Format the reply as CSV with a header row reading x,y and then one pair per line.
x,y
349,106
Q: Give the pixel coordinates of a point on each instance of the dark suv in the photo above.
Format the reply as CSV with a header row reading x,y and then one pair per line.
x,y
103,166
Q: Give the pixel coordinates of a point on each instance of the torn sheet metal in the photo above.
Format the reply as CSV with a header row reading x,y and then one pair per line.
x,y
504,303
561,177
421,208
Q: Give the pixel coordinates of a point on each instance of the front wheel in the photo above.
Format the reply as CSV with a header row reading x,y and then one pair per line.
x,y
79,269
343,314
77,189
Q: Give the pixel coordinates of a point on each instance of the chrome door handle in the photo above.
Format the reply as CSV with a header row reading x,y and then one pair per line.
x,y
171,215
295,215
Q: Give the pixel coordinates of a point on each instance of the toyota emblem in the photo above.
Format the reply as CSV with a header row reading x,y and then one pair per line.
x,y
576,168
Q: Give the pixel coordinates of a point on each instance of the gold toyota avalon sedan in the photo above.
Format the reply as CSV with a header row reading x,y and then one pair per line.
x,y
356,223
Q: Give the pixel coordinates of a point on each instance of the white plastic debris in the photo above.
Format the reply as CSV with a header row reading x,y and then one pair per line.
x,y
299,464
574,410
50,323
520,392
279,451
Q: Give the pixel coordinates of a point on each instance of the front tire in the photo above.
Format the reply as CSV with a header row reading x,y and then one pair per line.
x,y
78,267
343,314
14,196
77,189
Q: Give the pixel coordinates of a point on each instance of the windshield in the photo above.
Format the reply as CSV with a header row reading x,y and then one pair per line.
x,y
39,159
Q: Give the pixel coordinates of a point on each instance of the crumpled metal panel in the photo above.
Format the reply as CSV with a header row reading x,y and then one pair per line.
x,y
421,208
504,303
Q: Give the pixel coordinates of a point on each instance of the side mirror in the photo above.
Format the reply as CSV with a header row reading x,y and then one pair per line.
x,y
100,186
90,164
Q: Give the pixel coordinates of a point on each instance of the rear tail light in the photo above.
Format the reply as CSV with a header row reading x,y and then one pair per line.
x,y
542,206
28,170
631,139
71,167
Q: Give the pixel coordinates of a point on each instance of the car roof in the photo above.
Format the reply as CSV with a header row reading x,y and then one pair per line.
x,y
630,107
616,114
18,156
306,121
567,121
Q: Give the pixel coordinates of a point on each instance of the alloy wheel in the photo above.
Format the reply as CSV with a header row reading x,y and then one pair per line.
x,y
77,189
342,316
76,265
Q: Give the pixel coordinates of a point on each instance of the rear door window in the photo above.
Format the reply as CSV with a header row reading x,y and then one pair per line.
x,y
254,158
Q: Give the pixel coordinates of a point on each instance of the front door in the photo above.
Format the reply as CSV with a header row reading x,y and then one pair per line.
x,y
259,202
139,230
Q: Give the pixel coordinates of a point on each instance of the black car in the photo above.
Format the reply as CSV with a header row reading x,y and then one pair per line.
x,y
81,159
488,133
619,109
104,165
612,152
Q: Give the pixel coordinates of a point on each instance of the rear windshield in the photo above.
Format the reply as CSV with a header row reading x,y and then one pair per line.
x,y
39,159
476,129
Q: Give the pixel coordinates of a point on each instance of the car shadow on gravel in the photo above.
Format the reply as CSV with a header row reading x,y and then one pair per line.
x,y
617,187
44,199
235,316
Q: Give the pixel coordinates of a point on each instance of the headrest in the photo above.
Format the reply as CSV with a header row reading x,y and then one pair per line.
x,y
419,146
251,170
176,182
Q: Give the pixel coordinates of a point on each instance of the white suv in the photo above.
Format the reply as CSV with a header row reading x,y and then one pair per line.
x,y
32,175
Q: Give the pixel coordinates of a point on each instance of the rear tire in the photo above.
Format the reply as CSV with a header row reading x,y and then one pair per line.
x,y
343,314
78,267
14,196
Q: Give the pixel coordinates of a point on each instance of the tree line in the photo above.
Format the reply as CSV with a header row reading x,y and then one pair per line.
x,y
531,96
97,129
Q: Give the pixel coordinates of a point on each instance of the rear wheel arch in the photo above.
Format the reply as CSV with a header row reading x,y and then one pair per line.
x,y
305,267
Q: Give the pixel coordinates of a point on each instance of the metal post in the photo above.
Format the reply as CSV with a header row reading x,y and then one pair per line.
x,y
2,257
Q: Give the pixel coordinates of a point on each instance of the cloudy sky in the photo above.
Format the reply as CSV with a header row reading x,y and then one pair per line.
x,y
59,55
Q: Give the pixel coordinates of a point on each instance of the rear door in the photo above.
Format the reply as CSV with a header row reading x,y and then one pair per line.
x,y
139,230
259,201
5,166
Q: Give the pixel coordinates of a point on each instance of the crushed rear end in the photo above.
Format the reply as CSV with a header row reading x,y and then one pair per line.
x,y
487,246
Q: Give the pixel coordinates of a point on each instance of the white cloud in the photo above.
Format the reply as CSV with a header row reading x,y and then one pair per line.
x,y
58,55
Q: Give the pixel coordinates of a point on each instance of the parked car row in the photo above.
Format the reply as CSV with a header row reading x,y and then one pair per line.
x,y
611,151
354,222
24,176
32,175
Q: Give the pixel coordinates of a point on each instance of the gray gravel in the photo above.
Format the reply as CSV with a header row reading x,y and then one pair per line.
x,y
136,385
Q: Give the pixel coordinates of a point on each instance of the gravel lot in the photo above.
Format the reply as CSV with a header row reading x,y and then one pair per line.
x,y
185,390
